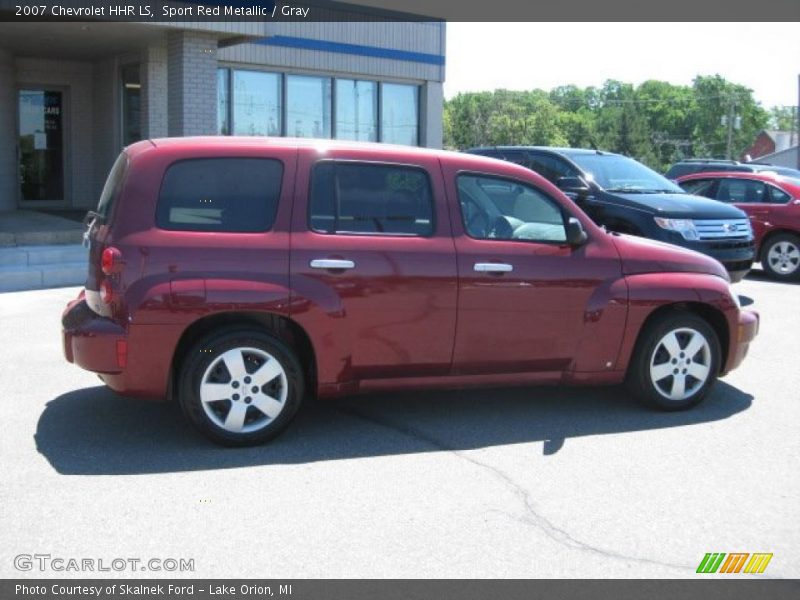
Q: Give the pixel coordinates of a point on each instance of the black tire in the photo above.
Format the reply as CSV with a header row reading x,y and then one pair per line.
x,y
650,347
257,427
773,268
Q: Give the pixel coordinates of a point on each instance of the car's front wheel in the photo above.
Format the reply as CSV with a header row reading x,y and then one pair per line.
x,y
240,388
781,257
676,362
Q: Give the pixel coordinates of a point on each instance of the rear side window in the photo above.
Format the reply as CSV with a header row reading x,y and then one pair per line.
x,y
112,187
370,199
237,195
742,191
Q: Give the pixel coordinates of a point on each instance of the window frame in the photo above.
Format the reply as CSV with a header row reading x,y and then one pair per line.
x,y
565,214
378,234
274,215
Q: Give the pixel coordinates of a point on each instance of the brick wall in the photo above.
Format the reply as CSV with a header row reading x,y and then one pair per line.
x,y
192,83
154,92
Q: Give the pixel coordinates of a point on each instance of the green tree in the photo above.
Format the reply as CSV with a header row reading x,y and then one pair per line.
x,y
783,118
621,126
717,101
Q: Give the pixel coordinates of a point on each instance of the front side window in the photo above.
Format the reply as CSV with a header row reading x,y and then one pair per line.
x,y
356,110
256,103
501,209
308,106
550,168
744,191
701,187
220,194
400,114
370,199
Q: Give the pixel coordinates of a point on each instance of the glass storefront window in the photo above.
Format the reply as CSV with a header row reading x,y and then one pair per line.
x,y
356,110
131,105
223,101
400,114
41,144
308,106
256,103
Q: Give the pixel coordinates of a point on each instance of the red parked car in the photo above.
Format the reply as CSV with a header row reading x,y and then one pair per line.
x,y
772,202
238,275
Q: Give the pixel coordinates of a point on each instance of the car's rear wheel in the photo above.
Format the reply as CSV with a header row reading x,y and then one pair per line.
x,y
781,257
676,362
240,388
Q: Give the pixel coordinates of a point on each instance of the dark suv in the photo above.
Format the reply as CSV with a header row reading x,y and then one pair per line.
x,y
691,166
625,196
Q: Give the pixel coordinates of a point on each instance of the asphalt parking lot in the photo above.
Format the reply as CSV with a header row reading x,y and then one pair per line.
x,y
533,482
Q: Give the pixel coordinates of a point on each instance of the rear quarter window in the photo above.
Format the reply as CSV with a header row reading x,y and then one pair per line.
x,y
231,194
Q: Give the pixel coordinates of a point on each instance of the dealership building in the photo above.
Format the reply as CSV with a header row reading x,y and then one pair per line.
x,y
73,94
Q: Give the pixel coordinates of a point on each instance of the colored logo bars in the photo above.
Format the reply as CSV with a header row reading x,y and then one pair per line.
x,y
713,562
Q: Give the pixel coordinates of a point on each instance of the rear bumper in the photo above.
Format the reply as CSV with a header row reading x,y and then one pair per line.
x,y
90,341
745,333
101,345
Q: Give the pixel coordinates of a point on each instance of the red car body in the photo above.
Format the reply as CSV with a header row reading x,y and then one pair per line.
x,y
413,314
771,201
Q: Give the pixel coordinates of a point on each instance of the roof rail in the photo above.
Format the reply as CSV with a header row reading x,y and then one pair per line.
x,y
710,160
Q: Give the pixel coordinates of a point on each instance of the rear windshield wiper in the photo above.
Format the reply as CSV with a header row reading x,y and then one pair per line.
x,y
92,215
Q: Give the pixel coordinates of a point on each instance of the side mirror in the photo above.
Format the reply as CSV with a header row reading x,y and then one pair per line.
x,y
576,235
573,186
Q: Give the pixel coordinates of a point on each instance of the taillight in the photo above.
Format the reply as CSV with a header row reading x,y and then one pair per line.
x,y
106,291
111,260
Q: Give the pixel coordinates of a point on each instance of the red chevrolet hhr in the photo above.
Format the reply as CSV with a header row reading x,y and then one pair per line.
x,y
238,275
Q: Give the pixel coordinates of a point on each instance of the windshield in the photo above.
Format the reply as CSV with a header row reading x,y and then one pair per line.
x,y
616,173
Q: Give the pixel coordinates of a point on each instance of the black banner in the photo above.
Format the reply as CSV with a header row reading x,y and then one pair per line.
x,y
184,11
404,589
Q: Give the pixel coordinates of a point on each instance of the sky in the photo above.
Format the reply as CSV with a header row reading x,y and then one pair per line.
x,y
519,56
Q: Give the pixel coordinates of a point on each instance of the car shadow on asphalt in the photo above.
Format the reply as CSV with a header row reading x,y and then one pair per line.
x,y
93,431
761,275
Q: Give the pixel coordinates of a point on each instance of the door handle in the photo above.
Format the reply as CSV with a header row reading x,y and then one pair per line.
x,y
493,268
331,263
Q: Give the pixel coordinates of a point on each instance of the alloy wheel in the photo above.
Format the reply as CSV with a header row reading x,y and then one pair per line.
x,y
784,257
680,363
244,389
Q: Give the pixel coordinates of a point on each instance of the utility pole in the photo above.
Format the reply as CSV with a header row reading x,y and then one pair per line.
x,y
797,114
730,127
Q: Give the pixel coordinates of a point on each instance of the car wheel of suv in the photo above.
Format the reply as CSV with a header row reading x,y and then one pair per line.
x,y
241,388
781,257
675,362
